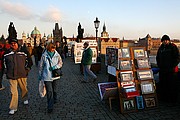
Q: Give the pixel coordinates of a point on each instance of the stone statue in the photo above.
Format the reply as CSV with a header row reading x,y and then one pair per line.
x,y
80,32
12,31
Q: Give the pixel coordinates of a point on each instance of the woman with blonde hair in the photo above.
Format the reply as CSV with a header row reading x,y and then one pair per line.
x,y
50,60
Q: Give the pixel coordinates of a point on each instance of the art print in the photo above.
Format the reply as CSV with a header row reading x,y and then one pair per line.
x,y
150,100
128,105
119,53
78,59
139,102
125,53
144,74
143,63
139,53
125,65
147,87
126,76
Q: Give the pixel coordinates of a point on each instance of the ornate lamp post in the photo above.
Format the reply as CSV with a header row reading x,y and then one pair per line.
x,y
96,24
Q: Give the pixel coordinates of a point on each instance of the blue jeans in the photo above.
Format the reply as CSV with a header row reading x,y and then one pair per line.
x,y
51,91
87,71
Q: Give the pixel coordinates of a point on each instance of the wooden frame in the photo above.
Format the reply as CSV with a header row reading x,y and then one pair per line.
x,y
139,53
128,105
150,101
147,87
139,102
126,76
125,65
145,74
142,63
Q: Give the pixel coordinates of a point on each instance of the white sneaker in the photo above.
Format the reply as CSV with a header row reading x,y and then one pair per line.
x,y
11,112
26,102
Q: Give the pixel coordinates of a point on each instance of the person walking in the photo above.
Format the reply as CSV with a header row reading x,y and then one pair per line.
x,y
167,60
50,60
17,63
59,49
86,63
2,50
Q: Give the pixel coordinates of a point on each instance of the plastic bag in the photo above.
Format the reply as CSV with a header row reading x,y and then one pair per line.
x,y
42,88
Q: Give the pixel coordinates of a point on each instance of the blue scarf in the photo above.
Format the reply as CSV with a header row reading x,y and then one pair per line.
x,y
51,54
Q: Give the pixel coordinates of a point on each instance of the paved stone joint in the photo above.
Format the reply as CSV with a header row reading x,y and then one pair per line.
x,y
77,101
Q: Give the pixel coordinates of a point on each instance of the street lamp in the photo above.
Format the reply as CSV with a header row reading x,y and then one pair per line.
x,y
96,24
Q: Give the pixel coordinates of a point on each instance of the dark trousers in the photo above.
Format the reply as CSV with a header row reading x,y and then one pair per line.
x,y
51,91
167,87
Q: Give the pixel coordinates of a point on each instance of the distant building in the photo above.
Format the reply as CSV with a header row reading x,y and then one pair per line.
x,y
36,34
58,34
151,44
104,34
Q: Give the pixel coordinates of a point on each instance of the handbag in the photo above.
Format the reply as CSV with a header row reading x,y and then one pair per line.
x,y
42,89
56,72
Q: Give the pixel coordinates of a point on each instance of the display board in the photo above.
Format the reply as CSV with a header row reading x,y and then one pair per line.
x,y
78,50
135,80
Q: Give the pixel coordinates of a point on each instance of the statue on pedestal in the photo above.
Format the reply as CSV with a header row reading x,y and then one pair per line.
x,y
80,33
12,32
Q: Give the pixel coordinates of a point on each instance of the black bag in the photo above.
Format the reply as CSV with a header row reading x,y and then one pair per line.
x,y
57,72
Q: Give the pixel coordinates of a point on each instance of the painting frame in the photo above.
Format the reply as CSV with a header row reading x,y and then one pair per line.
x,y
125,65
139,53
125,52
140,102
147,87
142,63
145,74
77,59
150,101
126,76
128,105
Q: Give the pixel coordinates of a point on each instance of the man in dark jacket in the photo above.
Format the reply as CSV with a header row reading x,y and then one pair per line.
x,y
167,60
17,63
86,62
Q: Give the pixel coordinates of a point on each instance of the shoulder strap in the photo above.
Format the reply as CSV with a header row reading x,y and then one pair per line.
x,y
49,61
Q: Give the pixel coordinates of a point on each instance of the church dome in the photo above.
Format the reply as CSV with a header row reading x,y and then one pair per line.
x,y
35,31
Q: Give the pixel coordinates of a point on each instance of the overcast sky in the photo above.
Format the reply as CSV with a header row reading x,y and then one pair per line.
x,y
131,19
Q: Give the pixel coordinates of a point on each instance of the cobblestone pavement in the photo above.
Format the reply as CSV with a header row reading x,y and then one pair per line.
x,y
78,101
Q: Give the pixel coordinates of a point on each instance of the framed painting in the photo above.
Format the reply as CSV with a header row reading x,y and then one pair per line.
x,y
78,52
77,59
94,50
145,74
125,52
119,53
125,65
139,53
142,63
147,87
128,84
150,101
128,105
126,76
139,102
